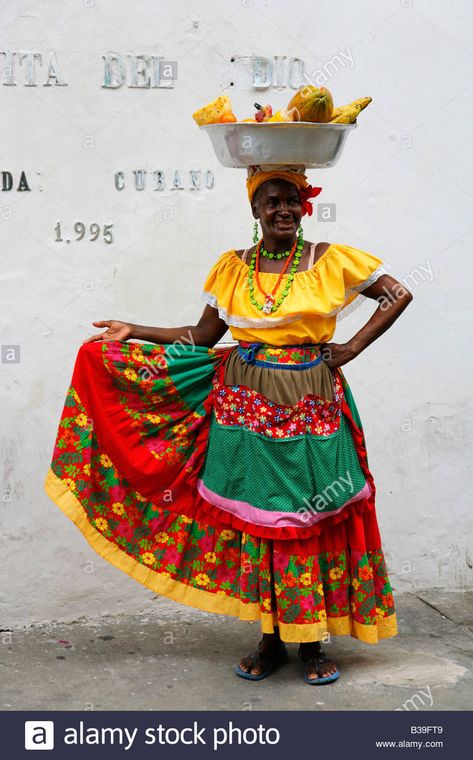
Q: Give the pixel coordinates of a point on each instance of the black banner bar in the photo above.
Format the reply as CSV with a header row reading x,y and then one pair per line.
x,y
224,735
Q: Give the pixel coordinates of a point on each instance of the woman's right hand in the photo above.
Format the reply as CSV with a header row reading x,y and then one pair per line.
x,y
115,331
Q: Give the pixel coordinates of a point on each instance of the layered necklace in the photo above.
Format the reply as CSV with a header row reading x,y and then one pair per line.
x,y
271,304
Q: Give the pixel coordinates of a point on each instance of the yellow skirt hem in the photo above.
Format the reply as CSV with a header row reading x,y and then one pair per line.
x,y
206,600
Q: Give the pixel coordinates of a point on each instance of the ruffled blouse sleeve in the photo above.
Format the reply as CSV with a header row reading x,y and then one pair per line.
x,y
348,272
217,281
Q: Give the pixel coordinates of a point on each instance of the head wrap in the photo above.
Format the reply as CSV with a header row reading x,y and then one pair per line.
x,y
260,173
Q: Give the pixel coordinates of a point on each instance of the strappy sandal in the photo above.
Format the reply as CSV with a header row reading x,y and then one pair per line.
x,y
314,661
270,661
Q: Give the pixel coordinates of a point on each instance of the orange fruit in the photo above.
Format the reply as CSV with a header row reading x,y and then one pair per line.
x,y
227,118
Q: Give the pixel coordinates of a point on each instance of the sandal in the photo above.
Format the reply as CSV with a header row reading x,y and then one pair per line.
x,y
315,661
270,661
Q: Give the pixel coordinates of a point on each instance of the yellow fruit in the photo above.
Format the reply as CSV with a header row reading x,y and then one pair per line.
x,y
213,112
251,120
284,115
349,113
227,118
312,104
337,112
362,102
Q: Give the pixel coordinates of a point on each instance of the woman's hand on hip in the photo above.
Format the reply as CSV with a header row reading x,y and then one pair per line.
x,y
336,354
115,331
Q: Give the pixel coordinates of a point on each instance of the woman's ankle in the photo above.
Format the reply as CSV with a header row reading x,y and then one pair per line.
x,y
271,638
309,646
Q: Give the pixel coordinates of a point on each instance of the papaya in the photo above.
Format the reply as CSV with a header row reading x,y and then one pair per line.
x,y
312,104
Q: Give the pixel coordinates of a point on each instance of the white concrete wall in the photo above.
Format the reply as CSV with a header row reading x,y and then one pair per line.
x,y
403,190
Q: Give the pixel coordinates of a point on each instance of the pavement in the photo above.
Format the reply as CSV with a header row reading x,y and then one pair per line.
x,y
178,658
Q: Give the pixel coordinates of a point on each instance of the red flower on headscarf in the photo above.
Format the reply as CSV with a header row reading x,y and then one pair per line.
x,y
305,194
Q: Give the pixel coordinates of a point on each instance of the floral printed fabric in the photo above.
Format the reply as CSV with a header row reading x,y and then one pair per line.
x,y
236,405
340,588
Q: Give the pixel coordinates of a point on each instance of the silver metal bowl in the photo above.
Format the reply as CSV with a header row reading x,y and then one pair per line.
x,y
241,144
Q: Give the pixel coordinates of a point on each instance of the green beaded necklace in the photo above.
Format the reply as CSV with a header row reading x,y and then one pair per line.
x,y
270,304
281,255
268,255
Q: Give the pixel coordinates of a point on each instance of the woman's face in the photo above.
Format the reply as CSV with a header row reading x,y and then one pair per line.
x,y
278,207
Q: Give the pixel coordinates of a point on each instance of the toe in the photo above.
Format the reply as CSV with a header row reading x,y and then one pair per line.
x,y
329,670
312,673
258,667
321,670
246,664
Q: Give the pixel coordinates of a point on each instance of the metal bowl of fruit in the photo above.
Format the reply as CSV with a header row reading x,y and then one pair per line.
x,y
310,132
310,144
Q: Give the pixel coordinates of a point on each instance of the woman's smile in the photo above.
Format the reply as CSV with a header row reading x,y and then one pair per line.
x,y
285,224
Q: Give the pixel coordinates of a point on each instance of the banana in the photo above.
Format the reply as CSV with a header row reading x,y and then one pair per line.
x,y
362,102
349,113
348,116
337,112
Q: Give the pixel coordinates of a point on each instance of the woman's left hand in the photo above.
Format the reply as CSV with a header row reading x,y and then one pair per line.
x,y
336,354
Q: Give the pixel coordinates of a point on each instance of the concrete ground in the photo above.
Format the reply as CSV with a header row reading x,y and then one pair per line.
x,y
181,659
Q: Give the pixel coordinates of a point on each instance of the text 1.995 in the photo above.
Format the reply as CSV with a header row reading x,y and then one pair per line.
x,y
80,231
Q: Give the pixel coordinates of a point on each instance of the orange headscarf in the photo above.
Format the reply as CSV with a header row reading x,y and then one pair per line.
x,y
260,173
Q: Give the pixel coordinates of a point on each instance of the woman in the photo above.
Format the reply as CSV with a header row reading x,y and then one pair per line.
x,y
236,479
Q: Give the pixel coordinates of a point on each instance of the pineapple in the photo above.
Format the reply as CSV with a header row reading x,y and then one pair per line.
x,y
217,111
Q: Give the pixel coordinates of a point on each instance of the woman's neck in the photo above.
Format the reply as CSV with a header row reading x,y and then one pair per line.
x,y
276,245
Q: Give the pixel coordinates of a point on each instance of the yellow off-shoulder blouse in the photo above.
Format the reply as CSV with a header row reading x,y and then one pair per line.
x,y
309,312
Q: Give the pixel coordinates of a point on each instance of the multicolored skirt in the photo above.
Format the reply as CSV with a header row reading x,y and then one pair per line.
x,y
232,479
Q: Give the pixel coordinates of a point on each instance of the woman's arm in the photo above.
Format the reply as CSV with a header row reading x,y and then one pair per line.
x,y
393,297
208,331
